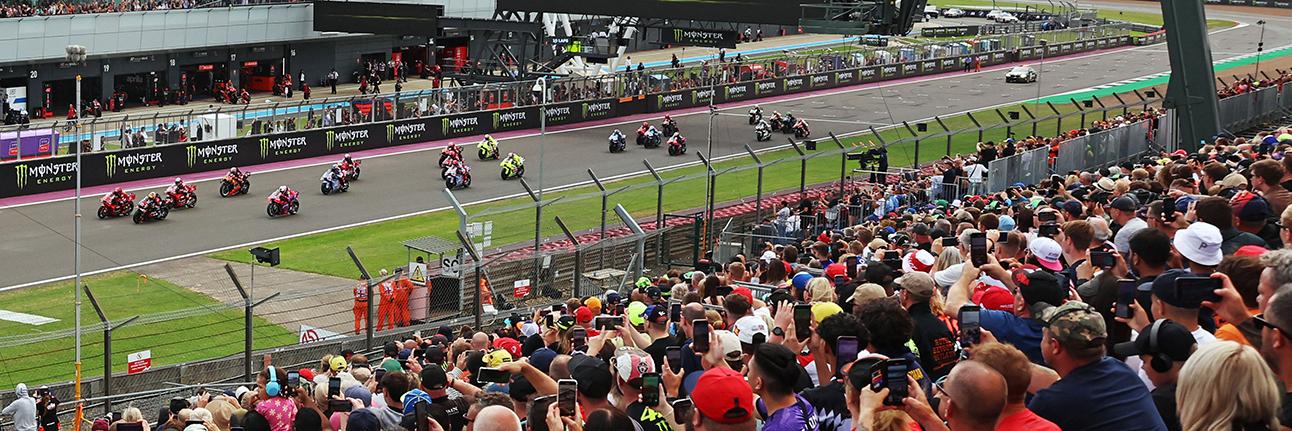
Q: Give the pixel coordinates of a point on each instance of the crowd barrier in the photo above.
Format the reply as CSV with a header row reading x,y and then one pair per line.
x,y
1243,111
1028,167
53,174
1081,153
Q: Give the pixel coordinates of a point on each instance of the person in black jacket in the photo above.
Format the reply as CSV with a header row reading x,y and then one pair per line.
x,y
933,338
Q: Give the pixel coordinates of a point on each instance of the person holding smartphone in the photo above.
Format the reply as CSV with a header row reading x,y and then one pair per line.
x,y
933,339
840,334
634,373
773,372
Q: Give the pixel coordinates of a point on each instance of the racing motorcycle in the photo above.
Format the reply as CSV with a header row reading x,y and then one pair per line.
x,y
330,186
648,139
618,145
287,205
460,179
512,169
157,211
677,146
487,149
234,185
107,209
182,198
762,132
787,124
755,115
450,153
444,168
801,129
350,171
670,127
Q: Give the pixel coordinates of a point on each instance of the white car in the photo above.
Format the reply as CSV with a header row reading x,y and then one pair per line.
x,y
953,13
1006,17
993,14
1023,74
931,11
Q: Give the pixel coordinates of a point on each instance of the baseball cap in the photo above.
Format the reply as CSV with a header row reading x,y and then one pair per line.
x,y
745,292
1075,322
593,303
1200,243
542,359
731,347
877,244
749,326
434,378
583,315
1233,180
1040,289
528,329
361,393
801,280
918,261
822,310
1006,224
630,363
338,364
1124,203
497,357
656,314
1172,340
565,322
1047,251
363,420
867,292
509,344
1072,207
723,396
612,297
1249,206
918,285
835,270
993,298
592,374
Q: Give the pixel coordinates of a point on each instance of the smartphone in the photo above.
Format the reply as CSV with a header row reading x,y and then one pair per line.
x,y
950,241
603,323
893,255
294,379
700,335
650,389
1126,290
579,338
802,321
682,409
1049,229
978,248
1004,238
334,387
492,375
1048,216
1168,209
1197,289
565,393
673,355
895,371
846,349
970,329
1102,259
558,308
675,312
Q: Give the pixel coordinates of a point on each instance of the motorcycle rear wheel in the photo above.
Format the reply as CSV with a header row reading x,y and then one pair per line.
x,y
325,188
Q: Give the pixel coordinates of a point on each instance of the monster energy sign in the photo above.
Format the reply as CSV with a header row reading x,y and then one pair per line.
x,y
196,155
593,110
711,38
507,120
668,101
44,173
459,125
345,138
281,146
409,132
131,163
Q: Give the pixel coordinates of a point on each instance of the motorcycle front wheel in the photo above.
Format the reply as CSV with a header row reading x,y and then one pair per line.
x,y
225,189
325,188
192,200
271,210
103,213
296,207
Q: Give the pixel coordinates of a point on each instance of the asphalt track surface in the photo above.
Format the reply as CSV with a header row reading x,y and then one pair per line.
x,y
37,240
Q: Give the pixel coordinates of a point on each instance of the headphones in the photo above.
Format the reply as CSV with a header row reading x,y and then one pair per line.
x,y
272,387
1161,362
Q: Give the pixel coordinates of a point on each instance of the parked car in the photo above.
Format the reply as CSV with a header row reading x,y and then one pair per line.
x,y
931,12
1006,17
953,13
1021,74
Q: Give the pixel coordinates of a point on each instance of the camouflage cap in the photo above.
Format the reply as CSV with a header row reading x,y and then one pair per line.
x,y
1075,322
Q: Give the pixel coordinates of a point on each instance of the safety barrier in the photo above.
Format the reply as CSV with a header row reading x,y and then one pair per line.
x,y
1243,111
1028,167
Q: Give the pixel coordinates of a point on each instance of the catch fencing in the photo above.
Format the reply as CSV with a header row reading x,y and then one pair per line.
x,y
1027,167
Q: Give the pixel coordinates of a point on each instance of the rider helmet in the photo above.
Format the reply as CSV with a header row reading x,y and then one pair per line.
x,y
152,195
667,118
645,124
488,137
347,156
117,190
282,189
677,135
233,170
178,181
617,132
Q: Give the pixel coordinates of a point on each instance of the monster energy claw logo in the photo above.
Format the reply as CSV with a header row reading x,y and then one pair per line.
x,y
132,163
347,138
209,154
281,146
22,176
45,173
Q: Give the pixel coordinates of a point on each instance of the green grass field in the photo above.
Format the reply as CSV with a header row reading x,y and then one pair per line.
x,y
1149,18
123,295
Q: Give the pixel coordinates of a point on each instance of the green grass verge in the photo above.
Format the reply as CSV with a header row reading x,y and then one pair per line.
x,y
380,244
123,295
1150,18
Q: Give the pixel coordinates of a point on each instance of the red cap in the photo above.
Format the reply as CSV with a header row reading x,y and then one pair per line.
x,y
834,270
745,292
722,395
307,374
509,344
994,298
583,314
1250,250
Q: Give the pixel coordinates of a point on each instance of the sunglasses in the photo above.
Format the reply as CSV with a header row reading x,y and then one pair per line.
x,y
1262,323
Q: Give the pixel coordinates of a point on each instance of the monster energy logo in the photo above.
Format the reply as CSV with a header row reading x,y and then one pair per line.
x,y
43,173
281,146
508,120
735,91
701,96
763,87
595,110
697,37
820,80
348,138
558,113
665,101
793,83
209,154
460,124
404,132
131,163
847,76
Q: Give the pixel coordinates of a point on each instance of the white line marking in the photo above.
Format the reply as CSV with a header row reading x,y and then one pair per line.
x,y
30,319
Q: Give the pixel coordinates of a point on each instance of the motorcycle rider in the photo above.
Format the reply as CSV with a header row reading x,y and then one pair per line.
x,y
347,164
801,124
668,121
762,128
645,128
114,199
451,152
281,195
677,139
513,161
457,171
490,143
178,187
616,136
756,113
334,175
151,201
776,119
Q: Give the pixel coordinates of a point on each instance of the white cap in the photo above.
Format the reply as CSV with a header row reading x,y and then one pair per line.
x,y
1047,251
919,261
730,345
747,326
1200,243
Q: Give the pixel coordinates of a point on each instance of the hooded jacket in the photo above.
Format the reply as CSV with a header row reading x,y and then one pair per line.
x,y
23,410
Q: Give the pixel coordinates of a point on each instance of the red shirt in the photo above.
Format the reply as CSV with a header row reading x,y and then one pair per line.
x,y
1025,420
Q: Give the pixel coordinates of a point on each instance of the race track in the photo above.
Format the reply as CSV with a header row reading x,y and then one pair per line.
x,y
37,241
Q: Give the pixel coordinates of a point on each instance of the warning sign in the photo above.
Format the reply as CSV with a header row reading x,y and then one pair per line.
x,y
139,362
522,288
417,272
309,334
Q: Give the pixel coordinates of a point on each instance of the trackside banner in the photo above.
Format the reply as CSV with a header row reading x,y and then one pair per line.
x,y
59,173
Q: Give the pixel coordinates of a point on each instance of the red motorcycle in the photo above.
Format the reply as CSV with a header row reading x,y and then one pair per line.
x,y
157,211
350,170
677,146
185,197
234,185
284,205
107,208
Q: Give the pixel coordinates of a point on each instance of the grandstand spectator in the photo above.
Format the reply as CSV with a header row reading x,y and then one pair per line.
x,y
1162,350
131,420
1017,370
1226,386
